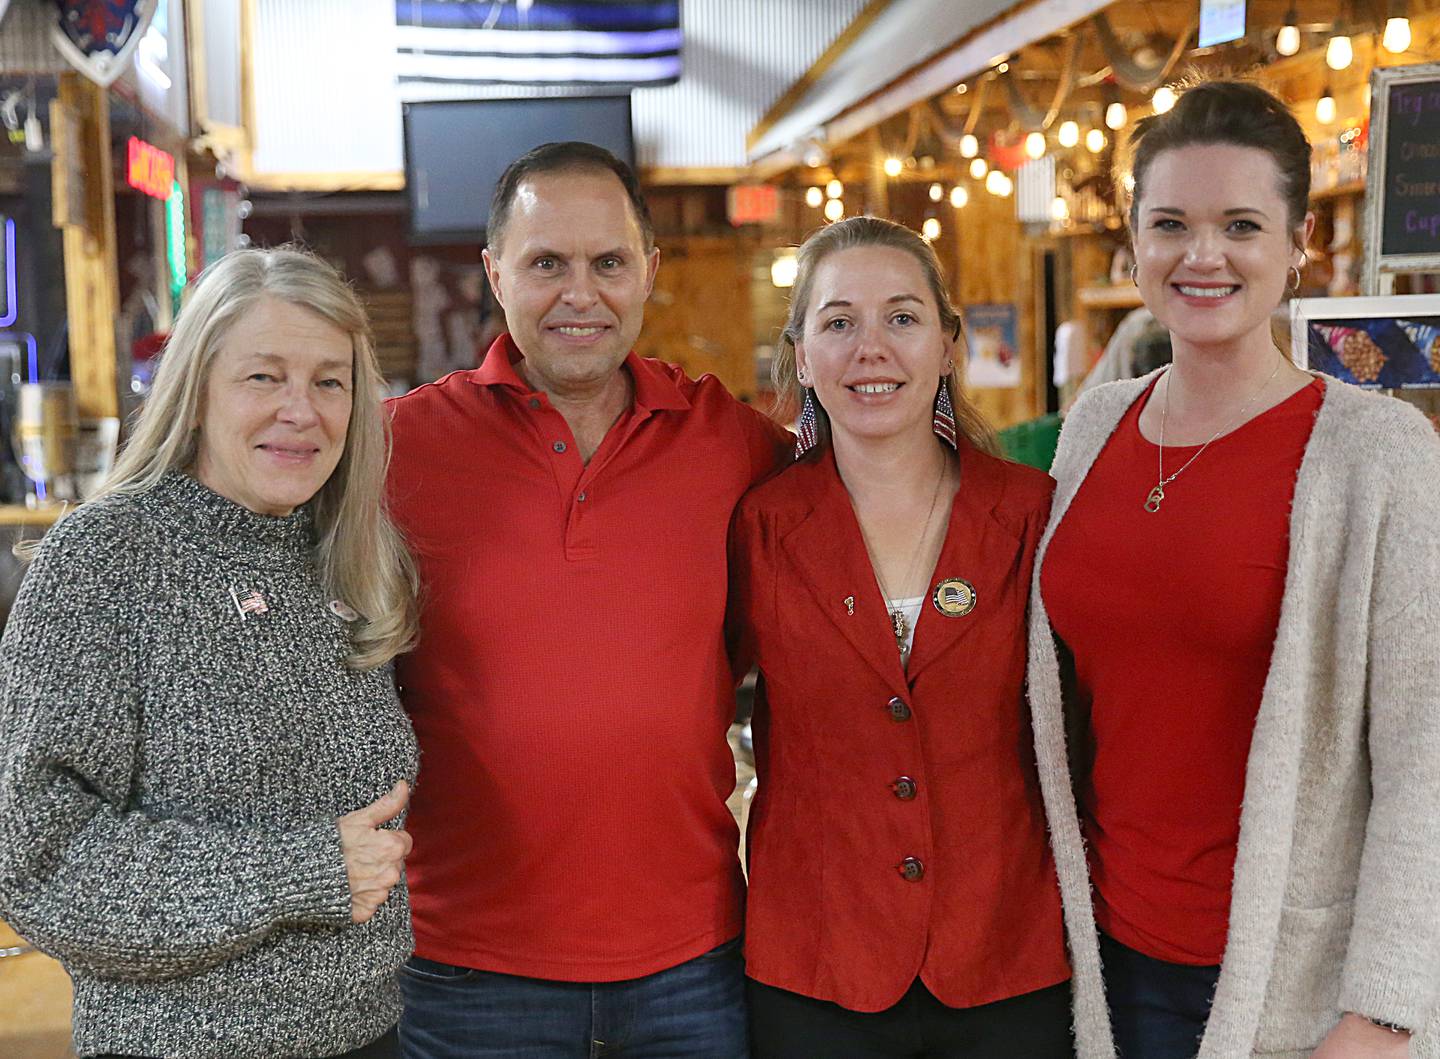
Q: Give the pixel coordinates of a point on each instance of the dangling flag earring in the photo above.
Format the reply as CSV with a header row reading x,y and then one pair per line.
x,y
945,416
807,435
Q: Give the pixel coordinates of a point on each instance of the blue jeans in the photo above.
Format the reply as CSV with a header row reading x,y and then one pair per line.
x,y
695,1009
1158,1009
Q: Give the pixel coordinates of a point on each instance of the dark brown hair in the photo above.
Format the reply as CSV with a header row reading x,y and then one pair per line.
x,y
566,157
1227,112
849,234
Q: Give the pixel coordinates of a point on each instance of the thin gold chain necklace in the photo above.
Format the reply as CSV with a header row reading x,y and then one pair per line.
x,y
899,625
1156,496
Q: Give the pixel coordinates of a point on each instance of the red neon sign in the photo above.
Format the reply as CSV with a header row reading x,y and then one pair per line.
x,y
753,204
151,170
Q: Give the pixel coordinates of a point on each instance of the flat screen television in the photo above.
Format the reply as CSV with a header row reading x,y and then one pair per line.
x,y
456,151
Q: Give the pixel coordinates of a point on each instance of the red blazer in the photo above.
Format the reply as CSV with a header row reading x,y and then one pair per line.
x,y
897,830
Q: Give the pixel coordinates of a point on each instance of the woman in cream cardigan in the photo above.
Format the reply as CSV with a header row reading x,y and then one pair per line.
x,y
1235,648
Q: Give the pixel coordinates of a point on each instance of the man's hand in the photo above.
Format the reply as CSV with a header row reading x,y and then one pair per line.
x,y
1358,1038
373,855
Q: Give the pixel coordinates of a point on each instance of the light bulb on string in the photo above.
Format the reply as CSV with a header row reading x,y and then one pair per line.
x,y
1396,38
1035,145
834,209
1163,99
936,192
969,146
1059,209
814,197
1287,41
784,269
1069,134
893,166
930,230
834,189
1095,141
1325,107
1115,115
1340,52
959,196
995,182
978,168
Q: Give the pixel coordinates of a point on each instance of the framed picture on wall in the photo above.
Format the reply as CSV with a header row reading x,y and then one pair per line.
x,y
993,349
1390,342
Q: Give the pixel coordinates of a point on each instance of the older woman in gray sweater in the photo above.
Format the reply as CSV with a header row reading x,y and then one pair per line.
x,y
203,761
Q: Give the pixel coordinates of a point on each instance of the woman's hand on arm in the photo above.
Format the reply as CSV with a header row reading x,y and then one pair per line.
x,y
374,856
1356,1037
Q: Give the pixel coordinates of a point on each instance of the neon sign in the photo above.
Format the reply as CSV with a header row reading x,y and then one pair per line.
x,y
150,170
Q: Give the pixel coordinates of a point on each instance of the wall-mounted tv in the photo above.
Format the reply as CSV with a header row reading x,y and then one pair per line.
x,y
456,151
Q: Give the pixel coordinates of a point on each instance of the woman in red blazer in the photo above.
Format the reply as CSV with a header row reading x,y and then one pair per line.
x,y
902,897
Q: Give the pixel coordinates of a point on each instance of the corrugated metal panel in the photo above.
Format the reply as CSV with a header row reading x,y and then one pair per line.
x,y
326,99
1035,190
25,46
325,87
740,56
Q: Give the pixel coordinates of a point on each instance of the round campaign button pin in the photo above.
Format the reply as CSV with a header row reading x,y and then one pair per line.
x,y
954,598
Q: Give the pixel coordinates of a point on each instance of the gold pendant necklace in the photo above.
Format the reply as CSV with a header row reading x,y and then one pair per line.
x,y
1156,496
899,624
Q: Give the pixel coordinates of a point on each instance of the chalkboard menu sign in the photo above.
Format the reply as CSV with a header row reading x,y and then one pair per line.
x,y
1403,197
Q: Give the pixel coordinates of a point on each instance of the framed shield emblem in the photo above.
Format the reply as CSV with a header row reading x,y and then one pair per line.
x,y
99,37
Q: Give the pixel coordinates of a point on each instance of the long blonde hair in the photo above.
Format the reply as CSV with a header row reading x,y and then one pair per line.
x,y
362,558
849,234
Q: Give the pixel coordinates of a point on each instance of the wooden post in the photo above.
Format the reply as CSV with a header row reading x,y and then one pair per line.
x,y
92,287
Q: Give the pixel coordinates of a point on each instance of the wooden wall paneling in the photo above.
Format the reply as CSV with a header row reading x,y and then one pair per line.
x,y
91,278
699,314
994,267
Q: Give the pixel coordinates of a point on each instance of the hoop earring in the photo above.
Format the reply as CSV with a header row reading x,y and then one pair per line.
x,y
945,416
807,434
1134,271
1295,284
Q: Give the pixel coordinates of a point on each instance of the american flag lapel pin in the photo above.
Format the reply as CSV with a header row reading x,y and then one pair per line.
x,y
249,603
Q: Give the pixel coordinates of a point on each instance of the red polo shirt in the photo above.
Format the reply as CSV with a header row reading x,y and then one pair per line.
x,y
570,690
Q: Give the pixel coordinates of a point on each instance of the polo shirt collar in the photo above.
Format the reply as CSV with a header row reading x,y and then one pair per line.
x,y
655,387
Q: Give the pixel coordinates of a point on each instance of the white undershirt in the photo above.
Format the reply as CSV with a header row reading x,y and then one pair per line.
x,y
911,609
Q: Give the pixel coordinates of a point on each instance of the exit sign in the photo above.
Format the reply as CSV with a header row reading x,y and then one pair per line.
x,y
150,170
752,204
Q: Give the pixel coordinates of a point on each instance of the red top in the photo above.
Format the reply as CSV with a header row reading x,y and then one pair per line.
x,y
1170,617
898,829
570,690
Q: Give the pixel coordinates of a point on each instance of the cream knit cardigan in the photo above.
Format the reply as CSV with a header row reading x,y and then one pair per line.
x,y
1336,901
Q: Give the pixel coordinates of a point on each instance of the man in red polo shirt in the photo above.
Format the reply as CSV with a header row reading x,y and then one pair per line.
x,y
574,880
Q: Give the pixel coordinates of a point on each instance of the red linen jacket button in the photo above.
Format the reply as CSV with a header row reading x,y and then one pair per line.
x,y
904,788
911,869
899,711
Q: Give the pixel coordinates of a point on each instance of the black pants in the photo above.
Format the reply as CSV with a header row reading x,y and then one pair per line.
x,y
386,1047
1158,1009
785,1025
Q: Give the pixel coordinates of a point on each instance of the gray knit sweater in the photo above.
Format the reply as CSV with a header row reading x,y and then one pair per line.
x,y
170,774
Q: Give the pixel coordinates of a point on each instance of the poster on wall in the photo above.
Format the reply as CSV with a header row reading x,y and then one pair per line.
x,y
1389,343
994,352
